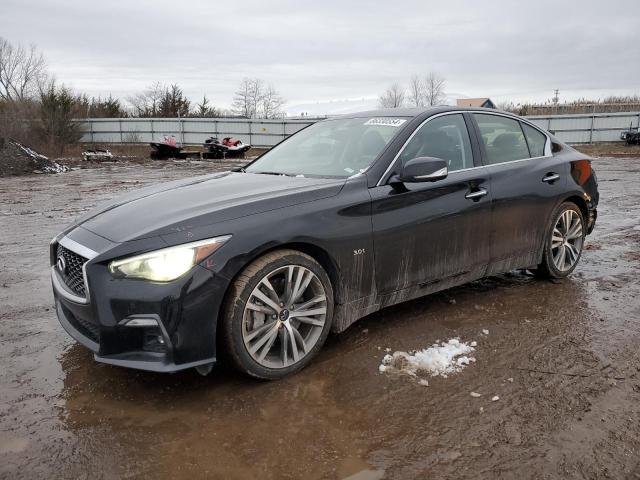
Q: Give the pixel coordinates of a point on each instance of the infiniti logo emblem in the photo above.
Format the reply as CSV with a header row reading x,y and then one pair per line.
x,y
61,264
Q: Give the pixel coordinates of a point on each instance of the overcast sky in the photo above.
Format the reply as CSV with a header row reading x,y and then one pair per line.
x,y
324,50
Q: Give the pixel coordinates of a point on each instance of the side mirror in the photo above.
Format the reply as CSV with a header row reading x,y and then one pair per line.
x,y
422,169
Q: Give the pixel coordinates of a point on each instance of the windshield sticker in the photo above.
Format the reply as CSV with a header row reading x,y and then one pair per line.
x,y
385,122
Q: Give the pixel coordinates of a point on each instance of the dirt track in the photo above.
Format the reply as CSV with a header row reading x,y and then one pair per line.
x,y
572,409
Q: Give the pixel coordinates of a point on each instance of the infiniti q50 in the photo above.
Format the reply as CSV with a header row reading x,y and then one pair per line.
x,y
345,217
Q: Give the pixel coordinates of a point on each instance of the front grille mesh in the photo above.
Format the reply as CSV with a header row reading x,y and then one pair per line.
x,y
72,275
85,327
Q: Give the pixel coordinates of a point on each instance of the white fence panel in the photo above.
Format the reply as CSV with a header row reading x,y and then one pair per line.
x,y
587,128
582,128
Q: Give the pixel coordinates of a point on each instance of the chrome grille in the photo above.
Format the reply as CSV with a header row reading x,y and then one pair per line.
x,y
71,272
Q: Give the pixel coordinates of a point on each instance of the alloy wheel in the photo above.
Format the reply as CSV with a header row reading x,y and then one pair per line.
x,y
284,316
566,240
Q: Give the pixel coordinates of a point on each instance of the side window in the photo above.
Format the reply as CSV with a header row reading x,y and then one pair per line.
x,y
535,139
443,137
502,137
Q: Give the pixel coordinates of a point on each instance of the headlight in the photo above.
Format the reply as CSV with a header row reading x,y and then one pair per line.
x,y
166,264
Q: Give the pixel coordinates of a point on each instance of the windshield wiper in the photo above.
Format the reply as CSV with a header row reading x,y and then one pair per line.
x,y
276,173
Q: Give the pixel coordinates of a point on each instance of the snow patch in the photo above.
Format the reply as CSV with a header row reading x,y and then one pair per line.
x,y
441,359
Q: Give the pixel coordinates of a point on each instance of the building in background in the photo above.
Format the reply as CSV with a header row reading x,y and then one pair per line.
x,y
475,102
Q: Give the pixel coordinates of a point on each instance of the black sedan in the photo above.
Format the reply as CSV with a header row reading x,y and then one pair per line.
x,y
348,216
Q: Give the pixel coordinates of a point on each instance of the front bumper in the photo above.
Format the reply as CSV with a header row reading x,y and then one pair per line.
x,y
591,221
160,327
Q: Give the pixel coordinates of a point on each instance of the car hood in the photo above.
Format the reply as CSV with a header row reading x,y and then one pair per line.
x,y
172,206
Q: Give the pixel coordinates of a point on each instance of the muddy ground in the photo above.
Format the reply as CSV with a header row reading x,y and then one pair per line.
x,y
572,409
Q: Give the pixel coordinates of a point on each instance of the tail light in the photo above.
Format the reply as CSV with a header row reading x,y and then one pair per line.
x,y
581,171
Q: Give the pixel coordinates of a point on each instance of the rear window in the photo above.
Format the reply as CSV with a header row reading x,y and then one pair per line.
x,y
535,139
502,137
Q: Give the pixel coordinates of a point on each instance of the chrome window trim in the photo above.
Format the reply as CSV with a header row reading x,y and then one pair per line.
x,y
497,164
547,144
547,147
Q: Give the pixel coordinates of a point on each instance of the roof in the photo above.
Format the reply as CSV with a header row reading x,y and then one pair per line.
x,y
411,112
393,112
474,102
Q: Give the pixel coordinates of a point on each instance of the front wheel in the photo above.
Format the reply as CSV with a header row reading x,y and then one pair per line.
x,y
564,242
278,314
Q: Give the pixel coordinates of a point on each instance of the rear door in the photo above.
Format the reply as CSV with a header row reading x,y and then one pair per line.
x,y
428,232
527,181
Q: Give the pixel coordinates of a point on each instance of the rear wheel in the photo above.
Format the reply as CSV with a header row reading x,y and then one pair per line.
x,y
278,314
563,246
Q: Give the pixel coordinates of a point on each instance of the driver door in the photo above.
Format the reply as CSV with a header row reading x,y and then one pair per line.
x,y
429,233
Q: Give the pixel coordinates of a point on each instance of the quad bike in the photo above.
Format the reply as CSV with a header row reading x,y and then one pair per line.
x,y
228,148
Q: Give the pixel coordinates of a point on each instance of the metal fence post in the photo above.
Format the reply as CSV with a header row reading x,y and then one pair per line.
x,y
91,129
593,118
250,141
120,124
153,134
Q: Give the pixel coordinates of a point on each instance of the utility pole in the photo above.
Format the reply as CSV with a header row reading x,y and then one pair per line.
x,y
556,99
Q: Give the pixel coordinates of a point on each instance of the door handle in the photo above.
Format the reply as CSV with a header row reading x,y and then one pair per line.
x,y
550,177
476,194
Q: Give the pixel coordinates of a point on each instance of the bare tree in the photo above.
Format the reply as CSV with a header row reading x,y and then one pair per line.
x,y
22,71
393,97
248,98
416,91
272,103
254,100
147,103
434,89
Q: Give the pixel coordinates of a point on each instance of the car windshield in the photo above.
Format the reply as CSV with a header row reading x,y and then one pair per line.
x,y
331,148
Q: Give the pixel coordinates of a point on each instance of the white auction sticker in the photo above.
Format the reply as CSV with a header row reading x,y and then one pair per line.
x,y
386,122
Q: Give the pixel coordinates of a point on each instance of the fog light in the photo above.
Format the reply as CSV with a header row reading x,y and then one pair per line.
x,y
140,322
153,342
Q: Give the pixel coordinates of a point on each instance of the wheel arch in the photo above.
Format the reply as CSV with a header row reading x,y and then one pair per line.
x,y
574,198
580,202
319,254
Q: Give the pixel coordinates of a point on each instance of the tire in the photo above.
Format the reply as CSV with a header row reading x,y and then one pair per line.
x,y
554,265
254,331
